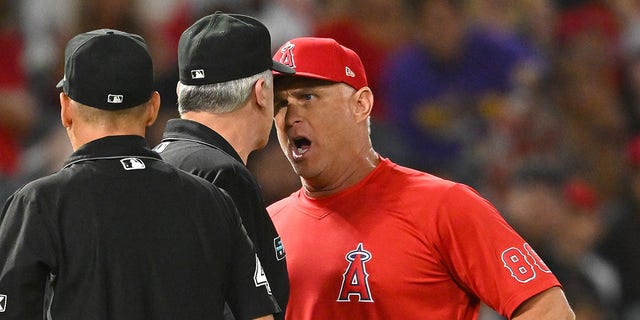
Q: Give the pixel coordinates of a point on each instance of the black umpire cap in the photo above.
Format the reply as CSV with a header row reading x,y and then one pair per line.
x,y
223,47
107,69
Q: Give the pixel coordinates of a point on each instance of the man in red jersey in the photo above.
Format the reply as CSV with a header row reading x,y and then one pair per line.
x,y
368,239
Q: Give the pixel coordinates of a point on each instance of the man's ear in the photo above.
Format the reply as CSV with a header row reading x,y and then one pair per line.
x,y
364,104
153,108
261,93
65,110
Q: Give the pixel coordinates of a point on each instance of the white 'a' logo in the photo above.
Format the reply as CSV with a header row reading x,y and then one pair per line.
x,y
354,280
287,55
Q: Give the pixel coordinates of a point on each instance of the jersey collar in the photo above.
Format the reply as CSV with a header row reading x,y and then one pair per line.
x,y
113,147
188,130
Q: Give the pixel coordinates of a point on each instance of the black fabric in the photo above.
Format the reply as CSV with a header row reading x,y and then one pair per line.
x,y
196,148
223,47
107,69
120,234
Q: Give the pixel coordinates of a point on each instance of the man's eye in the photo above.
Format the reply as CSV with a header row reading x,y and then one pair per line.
x,y
307,96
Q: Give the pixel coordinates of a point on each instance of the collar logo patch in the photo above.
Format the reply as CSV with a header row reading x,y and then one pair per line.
x,y
3,302
279,248
132,164
161,146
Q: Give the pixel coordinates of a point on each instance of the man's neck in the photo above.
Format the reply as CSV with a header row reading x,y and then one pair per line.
x,y
81,136
350,174
230,126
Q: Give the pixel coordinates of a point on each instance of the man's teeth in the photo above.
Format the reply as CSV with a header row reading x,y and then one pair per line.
x,y
302,151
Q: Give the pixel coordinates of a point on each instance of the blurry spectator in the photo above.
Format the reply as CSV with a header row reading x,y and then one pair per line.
x,y
46,26
621,243
589,279
286,19
533,203
448,84
373,35
628,13
496,15
586,93
523,122
560,218
17,108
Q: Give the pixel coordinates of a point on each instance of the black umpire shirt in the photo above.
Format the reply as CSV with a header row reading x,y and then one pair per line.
x,y
120,234
196,148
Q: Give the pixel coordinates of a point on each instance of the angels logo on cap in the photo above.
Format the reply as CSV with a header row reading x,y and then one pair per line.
x,y
287,55
322,58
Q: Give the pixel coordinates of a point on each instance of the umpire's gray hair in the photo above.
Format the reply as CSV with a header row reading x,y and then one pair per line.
x,y
220,97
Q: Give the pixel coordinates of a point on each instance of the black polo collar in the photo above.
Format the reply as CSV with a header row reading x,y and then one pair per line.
x,y
113,147
188,130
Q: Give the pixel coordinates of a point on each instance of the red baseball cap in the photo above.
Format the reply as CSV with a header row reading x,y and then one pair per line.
x,y
322,58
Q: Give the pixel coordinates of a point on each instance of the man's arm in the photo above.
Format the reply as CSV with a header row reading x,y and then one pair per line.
x,y
269,317
26,258
549,304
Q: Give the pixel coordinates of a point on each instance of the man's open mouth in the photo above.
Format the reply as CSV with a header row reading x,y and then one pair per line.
x,y
302,145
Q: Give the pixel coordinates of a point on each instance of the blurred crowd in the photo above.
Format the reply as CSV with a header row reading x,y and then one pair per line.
x,y
534,103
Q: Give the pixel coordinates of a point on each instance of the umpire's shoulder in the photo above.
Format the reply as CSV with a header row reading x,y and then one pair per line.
x,y
204,186
193,180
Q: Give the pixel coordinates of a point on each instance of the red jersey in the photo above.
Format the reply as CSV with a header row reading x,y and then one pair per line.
x,y
403,244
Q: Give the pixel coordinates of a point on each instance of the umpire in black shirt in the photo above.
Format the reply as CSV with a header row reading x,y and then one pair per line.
x,y
225,101
117,233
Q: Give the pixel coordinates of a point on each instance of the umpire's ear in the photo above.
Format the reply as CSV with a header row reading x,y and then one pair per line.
x,y
364,103
262,96
65,110
153,106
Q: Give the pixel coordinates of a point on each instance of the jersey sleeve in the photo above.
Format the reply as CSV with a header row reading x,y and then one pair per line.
x,y
485,255
246,194
26,259
248,293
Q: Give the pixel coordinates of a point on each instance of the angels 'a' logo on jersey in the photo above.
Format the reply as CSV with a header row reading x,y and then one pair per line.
x,y
354,280
287,55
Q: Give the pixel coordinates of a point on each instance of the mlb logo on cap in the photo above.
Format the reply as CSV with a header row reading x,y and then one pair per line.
x,y
115,98
223,47
197,74
107,63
